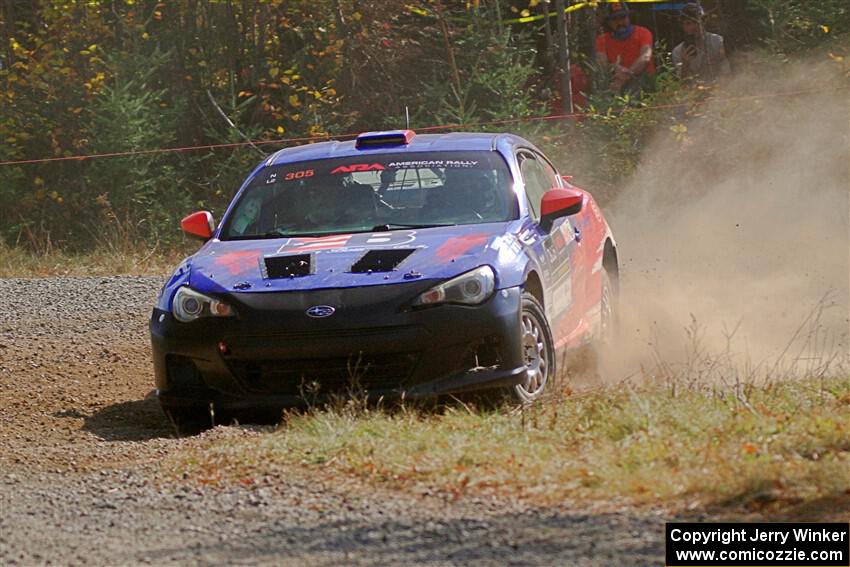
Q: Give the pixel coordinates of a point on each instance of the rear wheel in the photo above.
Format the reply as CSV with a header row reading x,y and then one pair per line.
x,y
608,311
538,350
606,336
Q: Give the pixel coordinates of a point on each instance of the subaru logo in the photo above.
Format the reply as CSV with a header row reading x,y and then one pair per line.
x,y
319,311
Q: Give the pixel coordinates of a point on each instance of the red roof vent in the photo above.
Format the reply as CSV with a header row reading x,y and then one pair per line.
x,y
386,138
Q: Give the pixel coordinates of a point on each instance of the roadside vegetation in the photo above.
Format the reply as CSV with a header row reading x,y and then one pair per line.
x,y
775,448
18,262
713,431
97,77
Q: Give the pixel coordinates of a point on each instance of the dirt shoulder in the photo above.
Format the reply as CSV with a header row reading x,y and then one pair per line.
x,y
82,481
81,436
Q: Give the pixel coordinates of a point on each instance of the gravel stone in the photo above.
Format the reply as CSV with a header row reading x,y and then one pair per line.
x,y
81,434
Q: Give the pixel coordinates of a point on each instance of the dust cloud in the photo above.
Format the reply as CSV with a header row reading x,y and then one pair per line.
x,y
734,237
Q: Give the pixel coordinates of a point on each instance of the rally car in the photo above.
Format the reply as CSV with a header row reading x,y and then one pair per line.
x,y
395,265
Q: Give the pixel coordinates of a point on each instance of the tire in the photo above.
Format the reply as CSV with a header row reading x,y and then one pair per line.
x,y
608,311
189,421
604,341
538,349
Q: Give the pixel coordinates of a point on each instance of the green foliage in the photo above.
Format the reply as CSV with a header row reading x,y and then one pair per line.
x,y
84,78
789,26
130,113
80,78
620,127
497,70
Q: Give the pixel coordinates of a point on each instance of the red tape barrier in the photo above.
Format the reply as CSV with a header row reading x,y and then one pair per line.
x,y
570,116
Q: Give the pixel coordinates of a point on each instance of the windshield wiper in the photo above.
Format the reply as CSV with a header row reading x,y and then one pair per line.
x,y
393,226
279,233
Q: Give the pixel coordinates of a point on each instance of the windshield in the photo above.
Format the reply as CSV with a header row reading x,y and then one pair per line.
x,y
372,193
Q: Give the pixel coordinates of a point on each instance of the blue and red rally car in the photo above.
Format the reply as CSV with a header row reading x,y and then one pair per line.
x,y
395,265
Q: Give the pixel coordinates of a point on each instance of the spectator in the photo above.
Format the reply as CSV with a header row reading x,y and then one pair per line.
x,y
628,48
701,56
580,84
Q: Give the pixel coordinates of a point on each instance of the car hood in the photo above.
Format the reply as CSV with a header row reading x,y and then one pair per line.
x,y
346,260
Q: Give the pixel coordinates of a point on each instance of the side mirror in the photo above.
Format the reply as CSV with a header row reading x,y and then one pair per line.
x,y
557,203
200,225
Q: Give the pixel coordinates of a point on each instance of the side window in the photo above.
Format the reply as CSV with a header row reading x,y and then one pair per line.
x,y
552,177
535,180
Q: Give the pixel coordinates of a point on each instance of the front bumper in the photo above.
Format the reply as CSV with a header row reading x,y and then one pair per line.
x,y
273,355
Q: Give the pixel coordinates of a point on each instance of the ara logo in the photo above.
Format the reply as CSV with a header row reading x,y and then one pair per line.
x,y
358,167
319,311
337,241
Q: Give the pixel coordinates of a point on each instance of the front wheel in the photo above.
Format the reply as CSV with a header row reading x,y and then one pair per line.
x,y
538,351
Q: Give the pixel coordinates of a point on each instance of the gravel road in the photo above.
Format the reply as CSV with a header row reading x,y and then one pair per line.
x,y
81,435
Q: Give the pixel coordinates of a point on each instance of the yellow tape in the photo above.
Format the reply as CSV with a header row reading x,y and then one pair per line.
x,y
528,19
417,11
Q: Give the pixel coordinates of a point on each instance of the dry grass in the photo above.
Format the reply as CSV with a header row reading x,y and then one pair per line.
x,y
710,431
17,262
789,444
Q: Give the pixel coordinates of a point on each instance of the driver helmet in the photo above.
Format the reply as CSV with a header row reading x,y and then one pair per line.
x,y
470,188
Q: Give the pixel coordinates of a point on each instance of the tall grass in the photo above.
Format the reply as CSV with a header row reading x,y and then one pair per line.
x,y
761,445
114,258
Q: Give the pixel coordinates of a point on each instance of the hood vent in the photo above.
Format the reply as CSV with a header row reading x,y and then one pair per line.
x,y
380,261
289,266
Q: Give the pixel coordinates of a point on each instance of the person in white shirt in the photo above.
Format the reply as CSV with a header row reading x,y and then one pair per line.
x,y
702,56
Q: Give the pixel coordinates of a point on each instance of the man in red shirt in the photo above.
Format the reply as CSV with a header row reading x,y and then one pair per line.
x,y
628,48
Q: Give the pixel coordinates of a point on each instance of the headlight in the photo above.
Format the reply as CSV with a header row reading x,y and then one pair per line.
x,y
189,305
471,288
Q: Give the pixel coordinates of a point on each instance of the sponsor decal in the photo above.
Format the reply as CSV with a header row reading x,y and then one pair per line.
x,y
291,176
299,174
560,262
507,244
528,237
395,238
319,243
358,167
432,163
597,214
560,272
239,261
459,245
349,241
561,300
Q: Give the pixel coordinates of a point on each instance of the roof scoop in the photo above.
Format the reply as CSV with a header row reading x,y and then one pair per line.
x,y
386,138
